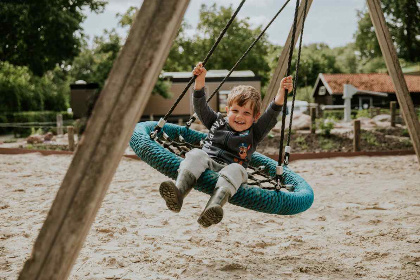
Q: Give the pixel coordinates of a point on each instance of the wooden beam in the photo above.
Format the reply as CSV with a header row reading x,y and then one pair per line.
x,y
108,131
394,69
281,68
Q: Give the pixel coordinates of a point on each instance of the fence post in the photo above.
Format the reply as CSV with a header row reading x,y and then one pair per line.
x,y
70,134
356,138
59,124
393,109
313,117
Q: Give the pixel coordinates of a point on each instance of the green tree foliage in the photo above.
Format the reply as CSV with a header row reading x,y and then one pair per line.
x,y
40,34
236,41
94,64
403,17
186,50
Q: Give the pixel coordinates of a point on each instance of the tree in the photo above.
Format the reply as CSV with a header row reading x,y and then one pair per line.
x,y
40,34
94,65
236,41
186,51
403,17
315,59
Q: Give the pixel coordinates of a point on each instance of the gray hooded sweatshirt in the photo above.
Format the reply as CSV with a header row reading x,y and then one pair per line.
x,y
226,144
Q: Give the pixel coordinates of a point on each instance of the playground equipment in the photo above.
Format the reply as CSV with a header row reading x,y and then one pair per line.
x,y
121,104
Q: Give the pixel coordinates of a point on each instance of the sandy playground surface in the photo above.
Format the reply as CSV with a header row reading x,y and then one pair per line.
x,y
364,224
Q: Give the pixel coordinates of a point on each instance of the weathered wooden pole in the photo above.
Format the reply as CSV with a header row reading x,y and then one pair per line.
x,y
281,69
356,138
70,135
107,134
393,110
313,119
394,69
59,124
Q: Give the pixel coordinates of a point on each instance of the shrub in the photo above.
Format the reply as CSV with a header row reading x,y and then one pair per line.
x,y
363,114
23,91
326,125
336,114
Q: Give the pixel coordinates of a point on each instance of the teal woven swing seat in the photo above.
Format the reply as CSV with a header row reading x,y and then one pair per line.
x,y
251,197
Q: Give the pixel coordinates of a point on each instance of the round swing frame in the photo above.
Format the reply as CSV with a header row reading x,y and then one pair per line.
x,y
251,197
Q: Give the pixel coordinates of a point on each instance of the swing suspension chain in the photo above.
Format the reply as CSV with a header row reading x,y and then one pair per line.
x,y
209,54
287,151
279,170
194,116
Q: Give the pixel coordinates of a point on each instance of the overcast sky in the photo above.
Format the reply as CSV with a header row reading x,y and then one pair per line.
x,y
329,21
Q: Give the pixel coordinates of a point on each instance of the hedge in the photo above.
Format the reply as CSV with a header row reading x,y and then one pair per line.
x,y
32,117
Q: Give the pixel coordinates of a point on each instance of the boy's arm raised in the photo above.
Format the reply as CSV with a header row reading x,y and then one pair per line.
x,y
206,115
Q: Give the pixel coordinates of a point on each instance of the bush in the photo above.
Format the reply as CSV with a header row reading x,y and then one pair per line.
x,y
336,114
22,91
363,114
326,125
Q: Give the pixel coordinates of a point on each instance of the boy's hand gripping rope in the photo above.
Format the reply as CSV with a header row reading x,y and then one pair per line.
x,y
163,120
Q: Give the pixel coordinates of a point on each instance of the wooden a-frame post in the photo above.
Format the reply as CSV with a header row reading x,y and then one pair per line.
x,y
281,68
118,108
391,60
394,70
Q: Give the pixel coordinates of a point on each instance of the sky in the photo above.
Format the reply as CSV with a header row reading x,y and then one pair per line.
x,y
333,22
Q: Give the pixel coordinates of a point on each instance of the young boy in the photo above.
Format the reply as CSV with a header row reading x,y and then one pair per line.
x,y
231,140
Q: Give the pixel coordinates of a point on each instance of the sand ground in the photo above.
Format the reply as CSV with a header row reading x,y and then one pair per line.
x,y
364,224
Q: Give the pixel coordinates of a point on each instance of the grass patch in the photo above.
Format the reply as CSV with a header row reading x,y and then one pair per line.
x,y
370,138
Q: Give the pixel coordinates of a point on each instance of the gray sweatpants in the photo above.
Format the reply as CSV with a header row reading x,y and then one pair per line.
x,y
232,176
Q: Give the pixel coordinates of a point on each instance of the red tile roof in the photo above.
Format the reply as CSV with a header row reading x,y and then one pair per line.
x,y
372,82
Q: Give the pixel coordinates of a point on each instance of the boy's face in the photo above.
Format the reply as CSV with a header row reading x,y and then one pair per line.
x,y
241,118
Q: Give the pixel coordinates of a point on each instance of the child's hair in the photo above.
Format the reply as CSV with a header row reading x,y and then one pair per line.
x,y
242,94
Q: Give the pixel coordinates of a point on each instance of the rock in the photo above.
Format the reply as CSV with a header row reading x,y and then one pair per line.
x,y
382,118
367,123
34,139
300,121
49,136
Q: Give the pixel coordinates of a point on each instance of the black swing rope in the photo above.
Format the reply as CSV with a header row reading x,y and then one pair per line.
x,y
286,157
194,117
283,124
213,48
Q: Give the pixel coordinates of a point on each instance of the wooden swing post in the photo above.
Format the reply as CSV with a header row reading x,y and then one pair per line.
x,y
281,68
108,131
394,70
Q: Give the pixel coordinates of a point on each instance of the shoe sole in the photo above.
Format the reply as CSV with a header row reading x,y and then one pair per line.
x,y
211,216
169,193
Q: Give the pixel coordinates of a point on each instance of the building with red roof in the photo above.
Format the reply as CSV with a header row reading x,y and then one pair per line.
x,y
328,89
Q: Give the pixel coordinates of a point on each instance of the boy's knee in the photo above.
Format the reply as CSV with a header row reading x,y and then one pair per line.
x,y
235,170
